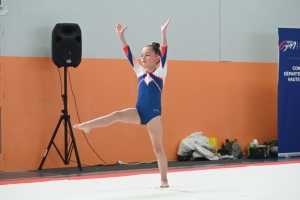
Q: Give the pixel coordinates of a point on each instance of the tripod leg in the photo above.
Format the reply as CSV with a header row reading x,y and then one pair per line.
x,y
50,143
74,144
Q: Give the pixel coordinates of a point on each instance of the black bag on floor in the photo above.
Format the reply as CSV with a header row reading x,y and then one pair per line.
x,y
185,158
226,150
258,152
273,145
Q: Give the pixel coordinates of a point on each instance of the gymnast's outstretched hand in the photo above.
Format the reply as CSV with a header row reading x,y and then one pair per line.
x,y
164,27
120,29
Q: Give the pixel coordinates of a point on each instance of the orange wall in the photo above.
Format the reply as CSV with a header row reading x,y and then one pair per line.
x,y
222,99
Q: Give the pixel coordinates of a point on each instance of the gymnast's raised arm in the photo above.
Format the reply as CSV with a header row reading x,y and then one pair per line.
x,y
120,31
163,33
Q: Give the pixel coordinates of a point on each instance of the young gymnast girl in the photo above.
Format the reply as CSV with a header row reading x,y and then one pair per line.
x,y
151,77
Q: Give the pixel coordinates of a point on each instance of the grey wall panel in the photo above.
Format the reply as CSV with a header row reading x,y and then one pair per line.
x,y
192,34
213,30
255,26
225,22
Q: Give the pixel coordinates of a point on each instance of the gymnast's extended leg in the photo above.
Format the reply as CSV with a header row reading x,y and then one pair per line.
x,y
129,115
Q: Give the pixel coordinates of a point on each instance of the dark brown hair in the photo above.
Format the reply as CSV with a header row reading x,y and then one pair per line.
x,y
155,46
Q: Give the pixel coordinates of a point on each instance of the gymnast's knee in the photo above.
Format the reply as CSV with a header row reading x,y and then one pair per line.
x,y
118,116
158,150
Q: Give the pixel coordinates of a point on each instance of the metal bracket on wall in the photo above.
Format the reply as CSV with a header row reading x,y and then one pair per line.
x,y
3,11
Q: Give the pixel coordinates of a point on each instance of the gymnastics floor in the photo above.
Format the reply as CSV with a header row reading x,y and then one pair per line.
x,y
240,179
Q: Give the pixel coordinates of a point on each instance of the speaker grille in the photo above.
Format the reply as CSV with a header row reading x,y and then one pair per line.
x,y
68,50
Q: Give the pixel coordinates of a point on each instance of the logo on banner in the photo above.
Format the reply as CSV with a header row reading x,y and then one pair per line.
x,y
288,45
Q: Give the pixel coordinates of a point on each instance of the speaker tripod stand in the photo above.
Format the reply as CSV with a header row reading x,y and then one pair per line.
x,y
68,148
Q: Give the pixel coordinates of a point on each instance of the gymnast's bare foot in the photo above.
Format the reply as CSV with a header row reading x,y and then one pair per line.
x,y
84,127
164,184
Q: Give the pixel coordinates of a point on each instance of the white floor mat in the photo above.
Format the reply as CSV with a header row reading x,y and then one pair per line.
x,y
269,182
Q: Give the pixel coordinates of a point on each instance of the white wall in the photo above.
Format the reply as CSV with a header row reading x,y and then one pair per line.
x,y
213,30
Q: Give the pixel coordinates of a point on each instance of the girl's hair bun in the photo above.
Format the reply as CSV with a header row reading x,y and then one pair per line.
x,y
155,44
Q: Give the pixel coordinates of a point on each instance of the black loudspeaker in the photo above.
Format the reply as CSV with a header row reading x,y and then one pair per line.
x,y
66,45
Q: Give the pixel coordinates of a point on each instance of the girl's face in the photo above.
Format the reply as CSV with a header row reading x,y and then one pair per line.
x,y
148,58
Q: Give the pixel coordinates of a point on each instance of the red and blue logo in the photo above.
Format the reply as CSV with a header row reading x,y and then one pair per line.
x,y
288,45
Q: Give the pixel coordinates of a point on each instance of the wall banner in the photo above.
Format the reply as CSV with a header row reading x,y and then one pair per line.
x,y
289,92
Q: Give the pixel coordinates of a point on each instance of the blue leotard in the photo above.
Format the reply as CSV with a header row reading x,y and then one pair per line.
x,y
150,86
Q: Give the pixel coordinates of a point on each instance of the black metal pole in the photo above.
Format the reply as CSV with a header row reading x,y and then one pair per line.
x,y
65,113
